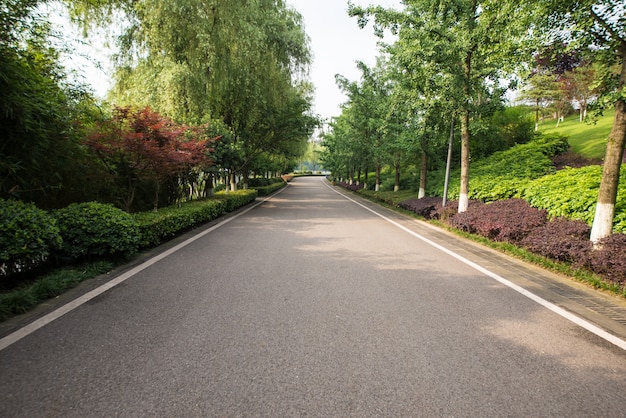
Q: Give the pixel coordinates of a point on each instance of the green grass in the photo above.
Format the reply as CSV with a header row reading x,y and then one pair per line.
x,y
586,139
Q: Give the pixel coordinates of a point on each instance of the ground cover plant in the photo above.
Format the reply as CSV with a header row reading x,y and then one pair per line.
x,y
503,173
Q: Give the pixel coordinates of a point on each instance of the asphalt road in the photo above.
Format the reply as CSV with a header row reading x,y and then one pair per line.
x,y
310,304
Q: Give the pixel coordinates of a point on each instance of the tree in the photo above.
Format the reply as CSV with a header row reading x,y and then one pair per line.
x,y
580,85
470,40
198,60
141,145
600,27
42,115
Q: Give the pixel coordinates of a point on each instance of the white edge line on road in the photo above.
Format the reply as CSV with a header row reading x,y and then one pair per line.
x,y
549,305
46,319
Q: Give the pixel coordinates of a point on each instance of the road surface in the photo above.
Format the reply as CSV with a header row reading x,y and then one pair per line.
x,y
312,303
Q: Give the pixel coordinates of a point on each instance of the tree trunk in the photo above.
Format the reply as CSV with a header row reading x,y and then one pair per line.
x,y
366,178
233,181
423,174
377,187
465,140
607,195
396,185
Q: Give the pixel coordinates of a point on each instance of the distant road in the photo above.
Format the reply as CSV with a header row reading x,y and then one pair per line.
x,y
313,304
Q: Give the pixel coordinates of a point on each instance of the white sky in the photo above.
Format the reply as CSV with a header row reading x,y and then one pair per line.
x,y
336,42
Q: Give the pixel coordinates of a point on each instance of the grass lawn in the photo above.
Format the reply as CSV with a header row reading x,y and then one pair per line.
x,y
586,139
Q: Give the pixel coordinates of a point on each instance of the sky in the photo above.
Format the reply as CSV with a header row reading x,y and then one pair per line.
x,y
337,43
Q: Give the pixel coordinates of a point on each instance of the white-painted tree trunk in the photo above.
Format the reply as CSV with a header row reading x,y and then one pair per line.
x,y
377,188
421,193
396,188
463,202
602,221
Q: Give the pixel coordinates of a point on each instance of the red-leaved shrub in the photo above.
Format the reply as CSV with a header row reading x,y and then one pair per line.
x,y
451,209
508,220
609,258
561,239
423,207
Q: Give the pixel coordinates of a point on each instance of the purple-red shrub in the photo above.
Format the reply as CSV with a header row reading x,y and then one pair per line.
x,y
423,207
609,258
505,220
354,187
451,209
561,239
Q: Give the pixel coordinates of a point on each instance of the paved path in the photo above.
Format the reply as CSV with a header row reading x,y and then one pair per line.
x,y
311,304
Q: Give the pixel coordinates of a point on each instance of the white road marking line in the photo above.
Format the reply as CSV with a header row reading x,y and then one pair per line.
x,y
43,321
549,305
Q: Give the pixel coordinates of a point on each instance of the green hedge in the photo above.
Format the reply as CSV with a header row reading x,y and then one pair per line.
x,y
96,229
157,227
28,236
271,188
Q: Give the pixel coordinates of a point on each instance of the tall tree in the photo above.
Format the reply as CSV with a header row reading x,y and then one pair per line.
x,y
471,40
241,62
600,26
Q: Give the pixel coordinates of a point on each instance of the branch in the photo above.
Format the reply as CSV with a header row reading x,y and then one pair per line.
x,y
607,27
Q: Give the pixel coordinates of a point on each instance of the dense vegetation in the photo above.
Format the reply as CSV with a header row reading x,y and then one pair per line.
x,y
532,206
437,94
208,97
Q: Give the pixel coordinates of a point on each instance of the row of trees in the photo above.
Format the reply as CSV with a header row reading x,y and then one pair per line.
x,y
449,64
203,88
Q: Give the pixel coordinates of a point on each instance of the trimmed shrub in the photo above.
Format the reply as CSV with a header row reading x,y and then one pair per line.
x,y
235,200
354,187
507,220
27,236
560,239
271,187
451,209
95,229
609,259
157,227
424,207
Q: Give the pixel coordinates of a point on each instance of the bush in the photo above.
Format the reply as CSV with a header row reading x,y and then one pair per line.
x,y
235,200
157,227
354,187
96,230
508,220
271,187
609,259
504,173
561,239
27,236
424,207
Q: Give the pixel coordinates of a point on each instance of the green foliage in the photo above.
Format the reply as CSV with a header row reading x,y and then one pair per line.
x,y
28,235
573,193
266,187
235,200
586,138
41,112
157,227
52,284
503,174
94,229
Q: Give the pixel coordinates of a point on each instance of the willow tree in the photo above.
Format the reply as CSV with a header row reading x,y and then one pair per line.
x,y
196,60
472,41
